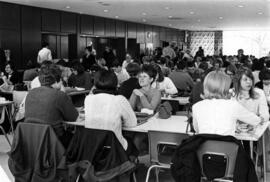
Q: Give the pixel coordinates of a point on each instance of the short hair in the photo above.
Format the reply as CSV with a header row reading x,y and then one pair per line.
x,y
116,63
149,70
133,69
11,65
181,65
77,66
237,82
216,85
50,75
45,44
105,80
232,68
61,62
89,48
163,60
204,66
264,74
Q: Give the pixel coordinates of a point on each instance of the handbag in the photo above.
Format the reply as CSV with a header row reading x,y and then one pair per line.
x,y
164,110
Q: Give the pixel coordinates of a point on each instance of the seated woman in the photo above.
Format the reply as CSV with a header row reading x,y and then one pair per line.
x,y
162,83
79,77
217,113
11,76
49,105
251,98
146,97
107,111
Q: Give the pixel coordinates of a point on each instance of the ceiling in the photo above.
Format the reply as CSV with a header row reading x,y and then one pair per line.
x,y
180,14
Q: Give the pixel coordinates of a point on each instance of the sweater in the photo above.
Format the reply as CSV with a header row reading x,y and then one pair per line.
x,y
50,106
128,86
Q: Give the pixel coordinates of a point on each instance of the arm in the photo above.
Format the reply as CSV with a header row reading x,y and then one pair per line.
x,y
246,116
128,116
154,101
50,55
190,82
170,87
263,107
132,100
66,107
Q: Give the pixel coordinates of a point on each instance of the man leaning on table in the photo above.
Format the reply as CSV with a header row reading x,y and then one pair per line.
x,y
48,105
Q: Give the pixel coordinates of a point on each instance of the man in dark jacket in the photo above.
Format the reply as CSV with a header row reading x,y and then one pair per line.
x,y
185,164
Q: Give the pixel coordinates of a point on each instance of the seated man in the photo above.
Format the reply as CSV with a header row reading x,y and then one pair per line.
x,y
181,79
121,73
49,105
79,77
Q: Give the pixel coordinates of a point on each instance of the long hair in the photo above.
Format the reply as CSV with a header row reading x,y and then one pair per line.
x,y
237,82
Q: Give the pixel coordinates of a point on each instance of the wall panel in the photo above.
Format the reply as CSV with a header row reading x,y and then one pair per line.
x,y
68,22
99,26
50,20
87,24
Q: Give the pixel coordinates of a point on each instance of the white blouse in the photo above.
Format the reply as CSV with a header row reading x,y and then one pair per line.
x,y
219,116
166,85
109,112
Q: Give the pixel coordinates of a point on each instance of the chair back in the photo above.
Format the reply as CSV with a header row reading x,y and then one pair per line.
x,y
227,150
157,138
18,97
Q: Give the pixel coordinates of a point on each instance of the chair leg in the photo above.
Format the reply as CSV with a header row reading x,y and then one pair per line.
x,y
148,172
5,135
134,177
157,172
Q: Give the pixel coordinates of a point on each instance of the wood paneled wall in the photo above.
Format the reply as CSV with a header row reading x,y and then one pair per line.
x,y
22,28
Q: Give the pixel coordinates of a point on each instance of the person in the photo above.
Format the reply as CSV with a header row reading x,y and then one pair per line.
x,y
127,61
44,53
79,77
11,76
163,65
120,72
240,55
146,97
181,79
162,83
2,60
132,83
107,111
88,59
200,53
31,71
224,111
168,50
264,83
251,98
108,56
66,71
48,105
35,82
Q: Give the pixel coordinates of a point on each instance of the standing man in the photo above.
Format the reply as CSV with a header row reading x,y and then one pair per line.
x,y
168,50
44,53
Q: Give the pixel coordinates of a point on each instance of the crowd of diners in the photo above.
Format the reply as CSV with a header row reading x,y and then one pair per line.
x,y
223,90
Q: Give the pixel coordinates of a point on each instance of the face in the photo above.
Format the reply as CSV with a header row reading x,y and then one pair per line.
x,y
117,69
8,69
246,83
75,72
128,58
266,83
216,66
144,79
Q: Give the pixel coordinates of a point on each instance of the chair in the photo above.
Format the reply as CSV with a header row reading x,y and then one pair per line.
x,y
156,139
96,155
2,119
228,150
18,98
36,153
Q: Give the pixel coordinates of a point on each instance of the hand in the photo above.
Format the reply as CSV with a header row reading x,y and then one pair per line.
x,y
138,92
262,120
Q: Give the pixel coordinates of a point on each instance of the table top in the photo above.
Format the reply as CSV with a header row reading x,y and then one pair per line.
x,y
5,103
181,100
178,124
255,135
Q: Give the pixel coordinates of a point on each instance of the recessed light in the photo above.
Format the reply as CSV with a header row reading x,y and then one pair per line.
x,y
169,16
67,7
116,16
170,25
260,13
199,20
144,14
144,20
106,11
81,12
240,6
191,12
221,18
167,8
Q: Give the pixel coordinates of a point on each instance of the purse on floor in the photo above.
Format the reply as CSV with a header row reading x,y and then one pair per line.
x,y
165,110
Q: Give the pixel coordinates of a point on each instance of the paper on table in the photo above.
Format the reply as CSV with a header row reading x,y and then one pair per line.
x,y
79,88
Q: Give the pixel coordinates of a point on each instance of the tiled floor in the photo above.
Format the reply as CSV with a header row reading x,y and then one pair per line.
x,y
164,176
